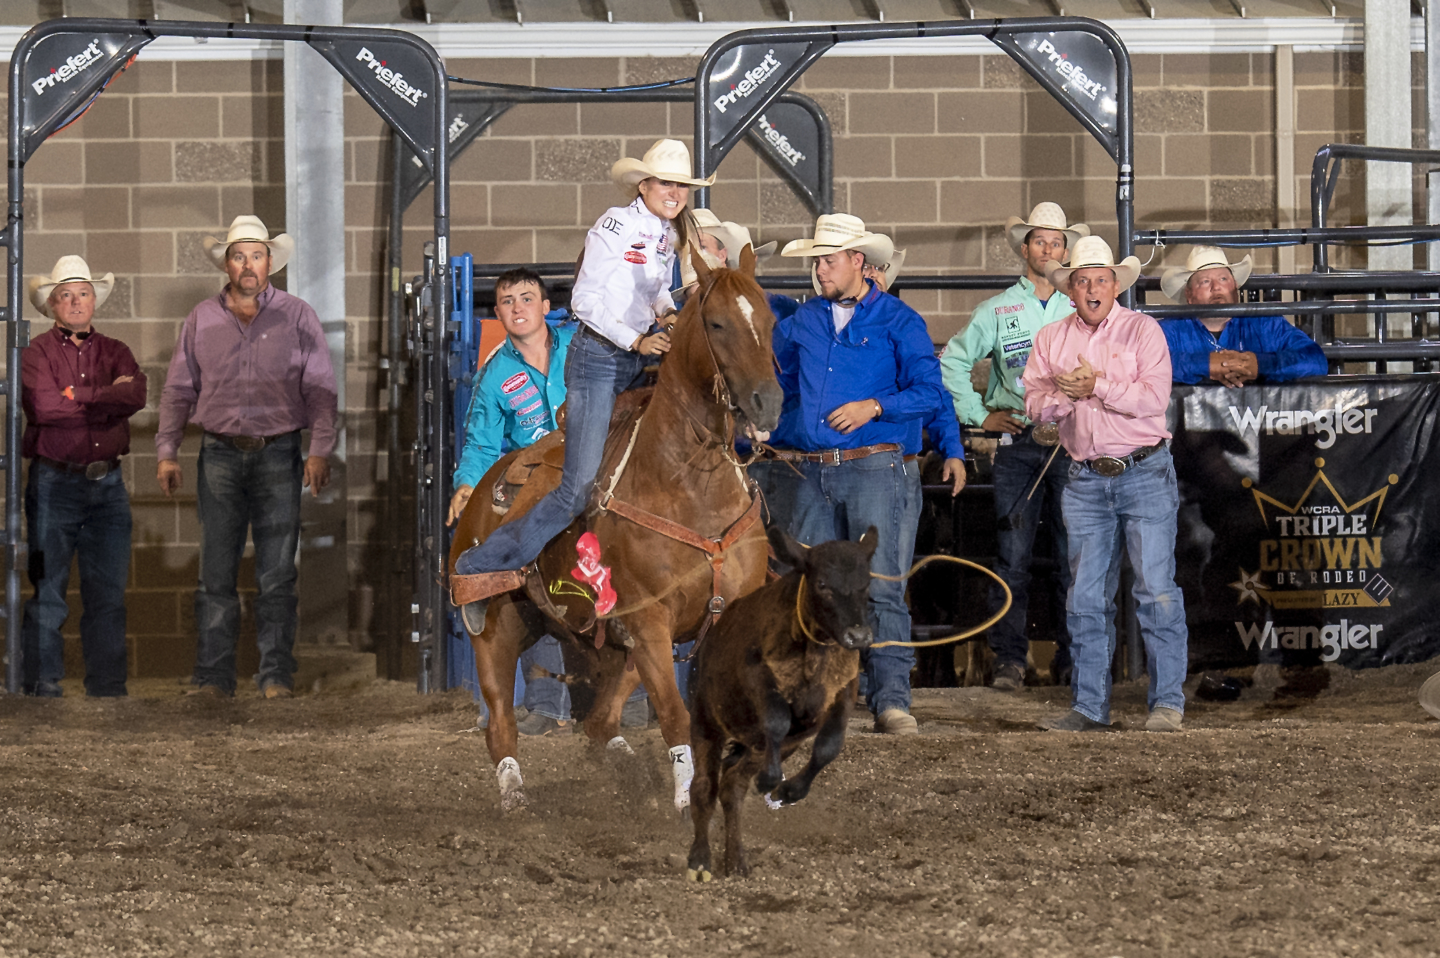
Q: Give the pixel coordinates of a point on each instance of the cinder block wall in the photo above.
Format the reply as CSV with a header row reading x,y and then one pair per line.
x,y
936,150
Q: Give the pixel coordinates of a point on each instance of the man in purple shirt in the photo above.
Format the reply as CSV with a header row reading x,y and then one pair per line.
x,y
79,389
252,368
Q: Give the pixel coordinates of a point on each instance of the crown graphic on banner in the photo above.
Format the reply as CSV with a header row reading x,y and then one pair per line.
x,y
1262,500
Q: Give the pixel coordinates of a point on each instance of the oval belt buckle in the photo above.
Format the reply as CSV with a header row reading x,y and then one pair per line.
x,y
97,471
1046,433
1109,466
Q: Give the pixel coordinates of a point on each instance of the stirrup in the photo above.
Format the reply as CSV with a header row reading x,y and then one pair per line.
x,y
465,589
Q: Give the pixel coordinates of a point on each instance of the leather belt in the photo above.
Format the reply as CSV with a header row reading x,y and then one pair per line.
x,y
1112,466
90,470
833,457
249,443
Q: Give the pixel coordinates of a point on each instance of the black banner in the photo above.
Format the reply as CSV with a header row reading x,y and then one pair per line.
x,y
743,83
1079,70
62,72
396,79
1309,521
468,119
788,136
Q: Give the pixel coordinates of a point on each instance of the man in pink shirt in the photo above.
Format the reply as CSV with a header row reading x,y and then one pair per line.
x,y
1103,374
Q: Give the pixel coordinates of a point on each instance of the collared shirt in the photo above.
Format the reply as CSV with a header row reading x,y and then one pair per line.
x,y
884,353
513,405
265,379
624,281
95,425
1282,352
1001,329
1132,385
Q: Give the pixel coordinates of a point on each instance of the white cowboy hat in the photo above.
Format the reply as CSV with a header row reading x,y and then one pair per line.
x,y
68,269
837,232
1430,695
249,229
1173,280
1045,216
732,236
1093,251
666,160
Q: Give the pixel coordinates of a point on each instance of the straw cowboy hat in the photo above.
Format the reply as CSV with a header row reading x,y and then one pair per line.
x,y
1093,251
249,229
838,232
666,160
68,269
732,236
1173,280
1045,216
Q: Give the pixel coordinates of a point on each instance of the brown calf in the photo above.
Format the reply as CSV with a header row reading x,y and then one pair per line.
x,y
781,666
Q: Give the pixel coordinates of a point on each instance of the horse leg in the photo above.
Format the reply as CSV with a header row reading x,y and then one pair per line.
x,y
614,686
734,782
709,743
496,651
828,743
655,661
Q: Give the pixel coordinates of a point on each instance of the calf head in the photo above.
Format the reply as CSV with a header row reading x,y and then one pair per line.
x,y
836,601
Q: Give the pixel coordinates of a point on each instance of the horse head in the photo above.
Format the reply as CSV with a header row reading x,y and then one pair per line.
x,y
726,331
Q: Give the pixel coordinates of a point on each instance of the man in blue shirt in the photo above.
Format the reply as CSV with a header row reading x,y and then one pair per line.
x,y
516,392
1231,350
858,369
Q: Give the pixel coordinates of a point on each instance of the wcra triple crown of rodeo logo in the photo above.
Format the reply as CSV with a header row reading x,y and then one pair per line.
x,y
1322,552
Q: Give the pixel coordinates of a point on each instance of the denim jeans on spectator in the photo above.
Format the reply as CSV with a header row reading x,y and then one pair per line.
x,y
258,491
596,371
1017,466
68,514
841,502
547,696
1136,510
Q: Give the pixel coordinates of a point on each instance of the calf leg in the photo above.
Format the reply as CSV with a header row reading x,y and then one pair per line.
x,y
776,719
828,743
733,784
709,743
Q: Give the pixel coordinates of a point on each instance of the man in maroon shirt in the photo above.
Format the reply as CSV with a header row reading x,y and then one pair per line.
x,y
79,389
251,366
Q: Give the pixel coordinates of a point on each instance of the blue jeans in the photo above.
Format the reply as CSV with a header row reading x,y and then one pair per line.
x,y
1135,509
840,502
258,491
547,696
1017,466
596,371
66,514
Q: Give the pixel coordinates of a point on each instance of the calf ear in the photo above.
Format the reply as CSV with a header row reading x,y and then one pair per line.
x,y
870,540
787,549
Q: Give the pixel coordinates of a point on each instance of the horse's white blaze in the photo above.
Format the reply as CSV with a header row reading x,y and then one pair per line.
x,y
748,312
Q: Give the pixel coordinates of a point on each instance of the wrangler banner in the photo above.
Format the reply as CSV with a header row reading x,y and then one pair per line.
x,y
1309,521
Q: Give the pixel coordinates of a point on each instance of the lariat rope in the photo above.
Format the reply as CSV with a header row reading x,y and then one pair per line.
x,y
958,636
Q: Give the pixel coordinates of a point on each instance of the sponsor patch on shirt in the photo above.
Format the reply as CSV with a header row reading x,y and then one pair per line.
x,y
1011,347
514,382
534,420
1015,362
612,224
530,408
1017,308
634,256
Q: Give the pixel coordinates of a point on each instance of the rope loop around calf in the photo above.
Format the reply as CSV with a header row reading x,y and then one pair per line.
x,y
958,636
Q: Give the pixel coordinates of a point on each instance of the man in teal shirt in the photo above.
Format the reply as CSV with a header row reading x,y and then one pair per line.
x,y
517,389
1002,329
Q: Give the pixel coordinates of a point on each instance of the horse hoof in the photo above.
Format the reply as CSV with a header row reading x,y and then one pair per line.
x,y
618,744
699,875
510,801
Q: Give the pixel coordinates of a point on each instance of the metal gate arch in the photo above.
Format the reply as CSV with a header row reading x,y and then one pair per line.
x,y
122,40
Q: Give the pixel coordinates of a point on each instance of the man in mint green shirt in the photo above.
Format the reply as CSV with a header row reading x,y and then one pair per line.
x,y
1002,329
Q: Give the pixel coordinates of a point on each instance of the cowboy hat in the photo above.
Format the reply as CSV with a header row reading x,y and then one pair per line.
x,y
1093,251
665,160
838,232
249,229
68,269
1045,216
1430,695
732,236
1173,280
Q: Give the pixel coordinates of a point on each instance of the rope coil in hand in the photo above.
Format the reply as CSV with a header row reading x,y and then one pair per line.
x,y
958,636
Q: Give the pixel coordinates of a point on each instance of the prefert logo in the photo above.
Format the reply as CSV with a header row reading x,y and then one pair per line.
x,y
70,69
1070,71
395,81
779,141
750,82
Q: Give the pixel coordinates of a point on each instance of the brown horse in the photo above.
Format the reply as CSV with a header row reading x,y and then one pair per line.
x,y
675,516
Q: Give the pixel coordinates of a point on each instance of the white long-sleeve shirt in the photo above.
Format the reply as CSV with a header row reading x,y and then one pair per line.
x,y
624,282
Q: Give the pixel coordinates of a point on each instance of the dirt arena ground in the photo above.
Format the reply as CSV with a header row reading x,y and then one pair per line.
x,y
1302,820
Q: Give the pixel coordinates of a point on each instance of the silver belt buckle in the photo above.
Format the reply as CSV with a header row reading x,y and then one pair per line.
x,y
97,470
1046,433
1108,466
834,457
248,443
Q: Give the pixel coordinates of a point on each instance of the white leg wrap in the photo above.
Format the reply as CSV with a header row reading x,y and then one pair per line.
x,y
618,744
682,767
512,786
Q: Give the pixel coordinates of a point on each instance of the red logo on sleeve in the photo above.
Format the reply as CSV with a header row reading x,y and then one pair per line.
x,y
514,382
634,256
